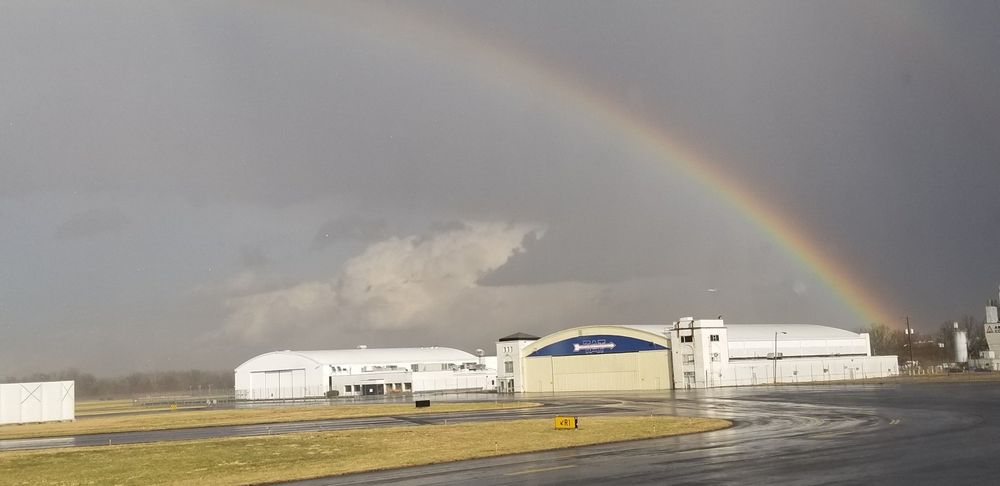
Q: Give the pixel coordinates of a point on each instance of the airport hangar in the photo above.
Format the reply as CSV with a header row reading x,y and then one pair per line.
x,y
362,371
690,353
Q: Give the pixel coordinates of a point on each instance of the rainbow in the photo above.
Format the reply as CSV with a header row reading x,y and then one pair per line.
x,y
497,64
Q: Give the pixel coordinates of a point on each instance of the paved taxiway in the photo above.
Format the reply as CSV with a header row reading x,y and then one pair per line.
x,y
910,434
906,434
580,405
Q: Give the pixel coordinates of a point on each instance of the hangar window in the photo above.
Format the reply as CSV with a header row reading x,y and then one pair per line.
x,y
357,388
508,366
687,339
689,358
713,337
347,388
409,386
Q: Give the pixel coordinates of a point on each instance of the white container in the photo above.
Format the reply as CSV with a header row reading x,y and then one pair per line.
x,y
37,402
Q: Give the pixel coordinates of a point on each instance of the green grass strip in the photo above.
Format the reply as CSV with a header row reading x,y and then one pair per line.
x,y
308,455
206,418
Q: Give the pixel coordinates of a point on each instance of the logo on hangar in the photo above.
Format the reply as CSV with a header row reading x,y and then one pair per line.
x,y
598,346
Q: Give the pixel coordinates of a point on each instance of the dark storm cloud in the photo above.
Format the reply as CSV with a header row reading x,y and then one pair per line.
x,y
870,126
237,130
92,223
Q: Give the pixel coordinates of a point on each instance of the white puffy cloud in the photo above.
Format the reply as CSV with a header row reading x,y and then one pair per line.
x,y
398,283
259,315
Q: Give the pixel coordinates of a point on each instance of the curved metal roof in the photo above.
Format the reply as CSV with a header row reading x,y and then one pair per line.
x,y
761,332
641,332
382,355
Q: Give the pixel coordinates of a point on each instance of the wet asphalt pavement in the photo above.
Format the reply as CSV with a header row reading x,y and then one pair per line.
x,y
577,405
901,434
910,434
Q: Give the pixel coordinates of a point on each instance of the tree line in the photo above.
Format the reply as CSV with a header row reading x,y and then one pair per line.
x,y
928,348
186,382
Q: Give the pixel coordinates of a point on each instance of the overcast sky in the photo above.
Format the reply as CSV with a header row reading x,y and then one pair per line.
x,y
188,184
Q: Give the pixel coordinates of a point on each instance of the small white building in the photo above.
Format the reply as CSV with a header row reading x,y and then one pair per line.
x,y
509,362
362,371
37,402
686,354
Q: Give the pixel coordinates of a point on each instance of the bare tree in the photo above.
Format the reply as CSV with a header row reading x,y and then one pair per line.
x,y
137,384
976,331
946,335
884,339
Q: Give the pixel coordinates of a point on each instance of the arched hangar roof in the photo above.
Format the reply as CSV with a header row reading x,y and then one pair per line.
x,y
364,356
599,338
758,332
650,337
762,332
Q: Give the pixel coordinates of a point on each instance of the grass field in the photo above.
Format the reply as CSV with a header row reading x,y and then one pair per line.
x,y
93,408
300,456
205,418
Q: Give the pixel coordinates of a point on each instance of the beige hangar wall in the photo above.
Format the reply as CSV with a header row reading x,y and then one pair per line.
x,y
599,369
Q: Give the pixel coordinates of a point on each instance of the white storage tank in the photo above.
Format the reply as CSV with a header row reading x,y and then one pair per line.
x,y
961,345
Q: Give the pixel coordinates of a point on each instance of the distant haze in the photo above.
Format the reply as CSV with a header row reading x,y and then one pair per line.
x,y
186,185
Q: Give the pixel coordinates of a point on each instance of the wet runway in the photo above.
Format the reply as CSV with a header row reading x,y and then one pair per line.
x,y
834,434
903,434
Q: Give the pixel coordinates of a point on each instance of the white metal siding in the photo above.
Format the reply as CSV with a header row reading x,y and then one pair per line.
x,y
298,383
272,384
37,402
299,374
10,404
285,384
278,384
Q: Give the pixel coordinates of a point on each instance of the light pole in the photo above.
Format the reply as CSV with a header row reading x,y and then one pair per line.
x,y
775,355
909,344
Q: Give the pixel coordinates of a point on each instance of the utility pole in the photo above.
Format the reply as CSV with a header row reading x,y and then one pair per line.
x,y
775,355
909,343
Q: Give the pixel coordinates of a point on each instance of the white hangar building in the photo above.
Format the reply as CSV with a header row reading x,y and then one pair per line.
x,y
362,371
690,353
